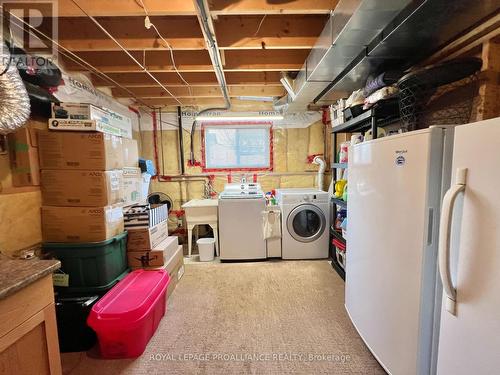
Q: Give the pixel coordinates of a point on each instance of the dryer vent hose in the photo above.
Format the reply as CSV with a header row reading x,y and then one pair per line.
x,y
321,172
14,99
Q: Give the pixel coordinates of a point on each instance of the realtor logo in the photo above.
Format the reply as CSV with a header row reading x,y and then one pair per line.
x,y
31,26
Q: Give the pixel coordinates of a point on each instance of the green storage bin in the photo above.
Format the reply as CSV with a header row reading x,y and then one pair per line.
x,y
91,266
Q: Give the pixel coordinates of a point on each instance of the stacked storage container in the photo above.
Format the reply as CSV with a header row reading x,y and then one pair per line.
x,y
83,193
149,246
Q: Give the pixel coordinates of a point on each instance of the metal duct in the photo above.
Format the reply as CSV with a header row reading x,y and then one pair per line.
x,y
352,26
14,99
417,32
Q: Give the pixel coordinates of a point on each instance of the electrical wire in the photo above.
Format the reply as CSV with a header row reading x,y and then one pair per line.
x,y
79,61
151,24
75,58
103,29
260,25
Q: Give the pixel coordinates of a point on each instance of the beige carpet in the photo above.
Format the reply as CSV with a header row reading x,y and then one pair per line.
x,y
281,317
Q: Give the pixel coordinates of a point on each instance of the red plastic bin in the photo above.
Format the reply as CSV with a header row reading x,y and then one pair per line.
x,y
128,315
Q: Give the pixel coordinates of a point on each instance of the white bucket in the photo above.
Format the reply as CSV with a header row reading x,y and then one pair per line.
x,y
206,249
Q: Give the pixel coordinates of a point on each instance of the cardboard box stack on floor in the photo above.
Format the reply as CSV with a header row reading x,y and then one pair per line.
x,y
82,186
149,246
88,173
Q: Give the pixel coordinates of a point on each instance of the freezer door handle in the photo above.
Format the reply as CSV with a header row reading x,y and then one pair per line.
x,y
444,239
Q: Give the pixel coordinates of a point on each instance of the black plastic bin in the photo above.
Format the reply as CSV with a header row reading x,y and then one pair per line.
x,y
74,333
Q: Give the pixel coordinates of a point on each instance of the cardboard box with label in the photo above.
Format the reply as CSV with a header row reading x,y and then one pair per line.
x,y
23,155
80,150
83,111
81,224
155,257
81,188
132,186
175,268
141,239
130,153
83,126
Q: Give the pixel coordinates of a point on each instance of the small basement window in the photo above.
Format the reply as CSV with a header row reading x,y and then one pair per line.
x,y
240,147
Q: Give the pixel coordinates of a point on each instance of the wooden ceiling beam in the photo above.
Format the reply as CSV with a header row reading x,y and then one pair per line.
x,y
198,91
123,8
236,105
183,33
81,34
231,7
275,32
171,79
255,60
155,61
191,61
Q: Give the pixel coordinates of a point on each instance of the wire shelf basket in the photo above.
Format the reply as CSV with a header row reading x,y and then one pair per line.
x,y
439,95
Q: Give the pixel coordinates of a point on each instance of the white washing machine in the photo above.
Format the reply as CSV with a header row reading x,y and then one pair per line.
x,y
240,222
304,223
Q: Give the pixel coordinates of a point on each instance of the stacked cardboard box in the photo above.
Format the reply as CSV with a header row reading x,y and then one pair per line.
x,y
152,248
82,186
79,117
23,154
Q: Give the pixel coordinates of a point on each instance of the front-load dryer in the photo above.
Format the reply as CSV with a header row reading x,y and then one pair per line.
x,y
304,223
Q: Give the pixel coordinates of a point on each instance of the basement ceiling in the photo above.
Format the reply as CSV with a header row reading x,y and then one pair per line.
x,y
258,39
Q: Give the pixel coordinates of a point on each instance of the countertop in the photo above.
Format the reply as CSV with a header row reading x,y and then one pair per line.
x,y
18,274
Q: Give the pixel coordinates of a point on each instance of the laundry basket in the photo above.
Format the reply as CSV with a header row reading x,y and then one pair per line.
x,y
206,249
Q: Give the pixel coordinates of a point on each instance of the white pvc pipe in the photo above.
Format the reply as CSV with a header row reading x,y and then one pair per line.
x,y
322,166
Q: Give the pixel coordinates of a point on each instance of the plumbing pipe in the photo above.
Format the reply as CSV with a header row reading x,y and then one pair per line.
x,y
181,142
322,166
208,30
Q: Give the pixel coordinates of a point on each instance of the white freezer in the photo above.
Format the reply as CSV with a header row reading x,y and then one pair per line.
x,y
392,293
470,335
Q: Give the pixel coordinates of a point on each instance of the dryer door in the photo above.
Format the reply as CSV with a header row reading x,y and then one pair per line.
x,y
306,223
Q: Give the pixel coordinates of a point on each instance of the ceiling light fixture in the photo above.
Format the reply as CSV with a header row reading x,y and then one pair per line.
x,y
256,98
236,118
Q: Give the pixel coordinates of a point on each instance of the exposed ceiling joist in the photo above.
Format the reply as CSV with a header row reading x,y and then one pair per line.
x,y
210,102
193,61
122,8
273,32
231,7
171,79
80,34
257,39
155,61
199,91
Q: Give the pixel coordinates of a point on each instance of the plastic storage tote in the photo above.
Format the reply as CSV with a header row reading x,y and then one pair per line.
x,y
92,266
74,333
340,249
128,315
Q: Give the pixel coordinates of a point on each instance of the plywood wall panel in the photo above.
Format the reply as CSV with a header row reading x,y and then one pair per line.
x,y
20,221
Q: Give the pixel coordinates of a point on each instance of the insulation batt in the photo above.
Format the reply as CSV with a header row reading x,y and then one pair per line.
x,y
14,99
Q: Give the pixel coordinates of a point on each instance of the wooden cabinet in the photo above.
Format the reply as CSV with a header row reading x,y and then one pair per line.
x,y
28,331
